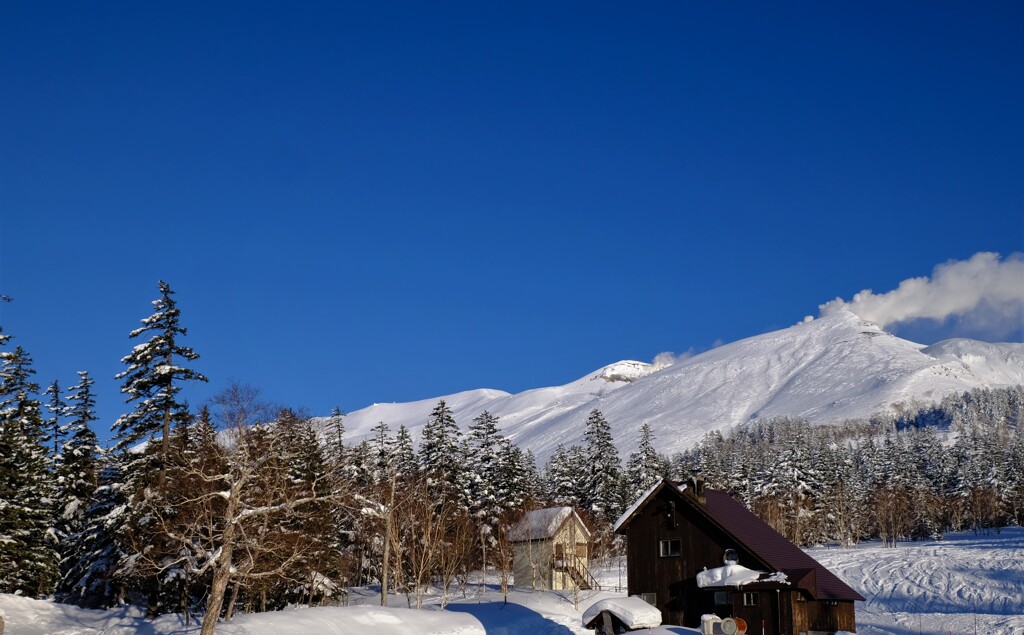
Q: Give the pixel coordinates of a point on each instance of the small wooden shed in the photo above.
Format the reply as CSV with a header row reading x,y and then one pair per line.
x,y
551,551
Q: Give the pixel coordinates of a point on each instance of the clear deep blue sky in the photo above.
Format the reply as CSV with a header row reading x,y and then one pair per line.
x,y
362,202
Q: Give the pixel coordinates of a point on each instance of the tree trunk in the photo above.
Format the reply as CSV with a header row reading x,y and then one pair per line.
x,y
231,603
388,528
221,576
222,568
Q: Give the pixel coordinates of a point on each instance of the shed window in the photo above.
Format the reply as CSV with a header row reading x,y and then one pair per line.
x,y
670,547
750,599
723,598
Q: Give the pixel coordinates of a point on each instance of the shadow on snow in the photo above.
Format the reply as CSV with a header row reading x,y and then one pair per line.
x,y
499,618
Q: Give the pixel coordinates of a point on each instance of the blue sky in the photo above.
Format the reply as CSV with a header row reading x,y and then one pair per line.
x,y
364,202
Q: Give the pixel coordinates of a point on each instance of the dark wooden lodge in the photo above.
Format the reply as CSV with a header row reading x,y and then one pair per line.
x,y
674,532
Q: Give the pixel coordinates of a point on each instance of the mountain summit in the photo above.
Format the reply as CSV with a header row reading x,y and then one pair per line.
x,y
826,370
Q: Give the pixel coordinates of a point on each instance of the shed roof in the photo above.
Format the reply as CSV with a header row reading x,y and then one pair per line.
x,y
541,524
758,537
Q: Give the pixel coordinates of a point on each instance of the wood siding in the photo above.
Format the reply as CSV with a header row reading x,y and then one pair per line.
x,y
672,578
532,560
818,616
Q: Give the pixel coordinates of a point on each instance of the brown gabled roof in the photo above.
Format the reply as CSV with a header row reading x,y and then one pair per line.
x,y
772,547
758,537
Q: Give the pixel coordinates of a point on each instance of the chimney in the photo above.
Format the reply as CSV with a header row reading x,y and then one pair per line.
x,y
697,489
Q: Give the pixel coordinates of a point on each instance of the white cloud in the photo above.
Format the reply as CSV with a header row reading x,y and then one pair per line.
x,y
667,358
985,292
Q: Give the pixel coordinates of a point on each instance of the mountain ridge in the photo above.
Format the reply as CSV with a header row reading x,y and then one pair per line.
x,y
827,370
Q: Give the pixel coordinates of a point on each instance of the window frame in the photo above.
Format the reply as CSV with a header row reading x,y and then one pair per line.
x,y
665,547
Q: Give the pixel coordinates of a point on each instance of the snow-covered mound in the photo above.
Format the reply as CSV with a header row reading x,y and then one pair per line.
x,y
827,370
634,612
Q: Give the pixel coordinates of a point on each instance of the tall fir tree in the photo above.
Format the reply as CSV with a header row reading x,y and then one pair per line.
x,y
153,381
645,466
603,494
486,499
381,464
91,579
77,475
403,456
442,454
58,408
28,560
565,476
154,378
334,440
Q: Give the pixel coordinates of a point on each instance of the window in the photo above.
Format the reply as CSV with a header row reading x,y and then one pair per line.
x,y
723,598
750,599
650,598
730,557
671,547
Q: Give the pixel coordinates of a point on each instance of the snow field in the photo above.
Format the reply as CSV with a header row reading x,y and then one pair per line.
x,y
964,584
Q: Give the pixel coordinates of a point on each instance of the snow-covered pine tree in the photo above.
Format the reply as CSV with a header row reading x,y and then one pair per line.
x,y
153,381
334,439
442,454
28,560
565,476
645,466
381,464
403,456
91,579
533,482
77,474
54,431
517,476
154,377
309,525
483,465
603,493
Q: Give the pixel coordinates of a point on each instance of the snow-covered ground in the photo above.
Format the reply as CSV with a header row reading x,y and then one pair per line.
x,y
965,583
482,612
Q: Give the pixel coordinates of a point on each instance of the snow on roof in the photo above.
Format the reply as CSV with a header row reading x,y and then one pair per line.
x,y
636,505
735,575
634,612
543,523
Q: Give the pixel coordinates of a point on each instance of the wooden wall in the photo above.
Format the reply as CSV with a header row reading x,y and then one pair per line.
x,y
531,560
673,578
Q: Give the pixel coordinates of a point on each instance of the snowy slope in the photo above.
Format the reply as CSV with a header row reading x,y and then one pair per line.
x,y
827,370
526,410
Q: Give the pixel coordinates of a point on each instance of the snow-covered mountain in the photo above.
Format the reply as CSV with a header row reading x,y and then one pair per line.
x,y
827,370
